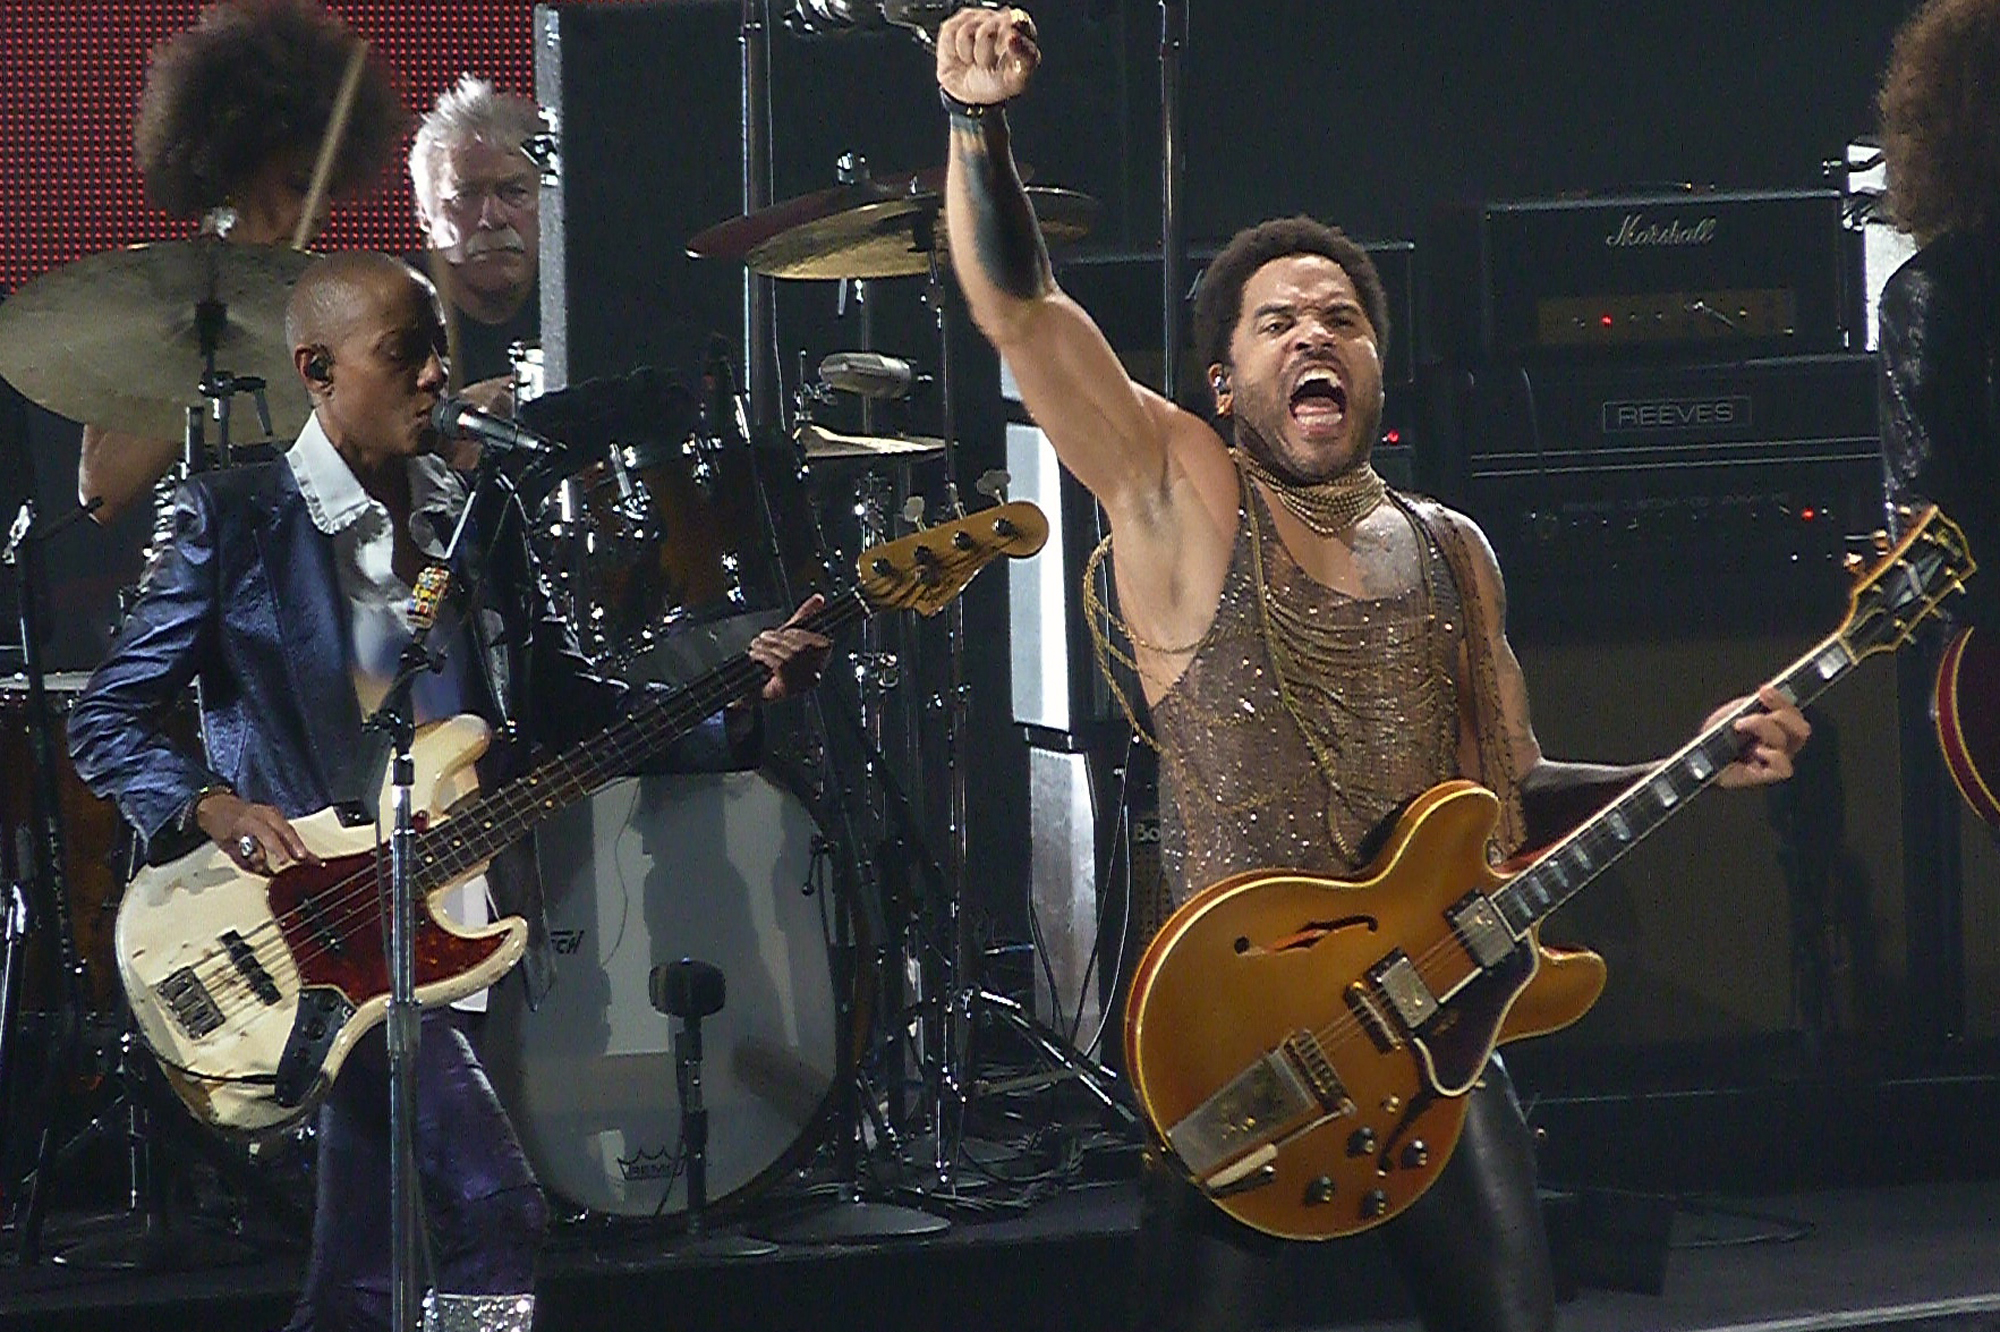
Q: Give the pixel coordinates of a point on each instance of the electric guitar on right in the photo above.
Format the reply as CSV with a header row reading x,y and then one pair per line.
x,y
1302,1044
1968,729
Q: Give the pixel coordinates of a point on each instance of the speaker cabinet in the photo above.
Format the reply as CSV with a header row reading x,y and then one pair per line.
x,y
1769,913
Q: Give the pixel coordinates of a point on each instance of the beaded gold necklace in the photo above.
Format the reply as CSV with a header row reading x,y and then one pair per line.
x,y
1329,508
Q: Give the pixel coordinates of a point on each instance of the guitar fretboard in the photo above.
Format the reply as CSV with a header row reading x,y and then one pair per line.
x,y
1566,867
494,822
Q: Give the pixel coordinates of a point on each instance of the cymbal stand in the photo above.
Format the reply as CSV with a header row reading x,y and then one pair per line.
x,y
960,994
160,1242
955,1019
851,1217
23,554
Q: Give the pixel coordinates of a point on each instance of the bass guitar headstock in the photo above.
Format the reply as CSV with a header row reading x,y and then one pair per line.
x,y
924,571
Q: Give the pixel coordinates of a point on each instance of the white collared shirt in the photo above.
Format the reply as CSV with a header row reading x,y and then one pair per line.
x,y
378,602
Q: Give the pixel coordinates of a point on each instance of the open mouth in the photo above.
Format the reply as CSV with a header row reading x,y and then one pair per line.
x,y
1319,399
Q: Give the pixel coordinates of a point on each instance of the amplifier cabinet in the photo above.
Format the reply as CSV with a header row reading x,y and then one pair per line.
x,y
1736,273
1628,497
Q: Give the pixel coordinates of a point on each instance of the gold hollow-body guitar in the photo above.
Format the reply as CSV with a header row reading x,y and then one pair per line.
x,y
252,991
1302,1044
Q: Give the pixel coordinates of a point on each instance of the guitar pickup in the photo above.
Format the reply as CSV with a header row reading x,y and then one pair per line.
x,y
254,975
321,928
1395,978
190,1003
1481,930
1251,1111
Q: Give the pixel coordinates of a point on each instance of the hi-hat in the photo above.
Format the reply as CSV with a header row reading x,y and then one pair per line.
x,y
825,445
112,339
869,229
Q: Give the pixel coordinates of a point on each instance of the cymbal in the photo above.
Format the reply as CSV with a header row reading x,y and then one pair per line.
x,y
111,338
824,444
872,229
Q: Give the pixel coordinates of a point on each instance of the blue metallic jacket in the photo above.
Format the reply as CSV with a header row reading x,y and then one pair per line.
x,y
245,599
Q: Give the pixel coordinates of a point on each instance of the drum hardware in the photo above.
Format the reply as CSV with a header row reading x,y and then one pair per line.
x,y
851,1216
860,230
41,900
46,877
691,990
643,534
530,374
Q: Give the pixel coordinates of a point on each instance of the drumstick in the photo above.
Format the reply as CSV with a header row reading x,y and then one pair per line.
x,y
329,144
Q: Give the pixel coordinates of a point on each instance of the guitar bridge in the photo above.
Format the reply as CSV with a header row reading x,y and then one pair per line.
x,y
190,1003
1253,1110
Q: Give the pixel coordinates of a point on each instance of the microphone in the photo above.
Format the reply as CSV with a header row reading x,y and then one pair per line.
x,y
455,416
868,374
921,18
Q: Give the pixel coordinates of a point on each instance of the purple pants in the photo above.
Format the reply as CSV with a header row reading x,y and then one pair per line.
x,y
485,1213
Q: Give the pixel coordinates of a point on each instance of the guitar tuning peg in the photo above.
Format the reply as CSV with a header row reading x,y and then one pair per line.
x,y
1880,539
993,484
913,511
1854,563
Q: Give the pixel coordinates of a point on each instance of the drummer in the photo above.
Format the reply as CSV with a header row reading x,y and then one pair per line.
x,y
229,128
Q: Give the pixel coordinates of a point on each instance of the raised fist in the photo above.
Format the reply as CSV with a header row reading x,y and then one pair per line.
x,y
986,56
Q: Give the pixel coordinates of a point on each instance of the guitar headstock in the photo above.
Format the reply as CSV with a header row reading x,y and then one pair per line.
x,y
924,571
1906,584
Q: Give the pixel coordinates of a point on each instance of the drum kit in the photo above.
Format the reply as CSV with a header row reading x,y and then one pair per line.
x,y
650,538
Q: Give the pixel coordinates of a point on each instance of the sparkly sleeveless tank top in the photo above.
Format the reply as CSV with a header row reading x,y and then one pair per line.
x,y
1306,717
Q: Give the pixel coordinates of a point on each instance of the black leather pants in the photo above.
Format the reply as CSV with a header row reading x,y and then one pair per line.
x,y
1472,1250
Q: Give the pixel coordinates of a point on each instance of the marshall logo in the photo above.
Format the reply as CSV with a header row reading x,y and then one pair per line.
x,y
1635,232
1661,414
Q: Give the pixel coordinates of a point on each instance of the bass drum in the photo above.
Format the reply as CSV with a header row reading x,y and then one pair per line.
x,y
718,868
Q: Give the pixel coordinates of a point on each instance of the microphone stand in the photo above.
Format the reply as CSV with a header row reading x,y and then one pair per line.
x,y
392,727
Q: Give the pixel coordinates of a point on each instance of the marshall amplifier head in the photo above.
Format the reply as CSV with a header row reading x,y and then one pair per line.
x,y
1662,275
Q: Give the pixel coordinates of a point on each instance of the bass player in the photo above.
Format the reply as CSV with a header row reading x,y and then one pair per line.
x,y
285,592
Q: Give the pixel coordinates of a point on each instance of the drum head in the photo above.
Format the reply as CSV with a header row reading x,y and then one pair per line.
x,y
646,872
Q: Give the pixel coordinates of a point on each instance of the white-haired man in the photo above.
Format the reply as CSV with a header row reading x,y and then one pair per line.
x,y
478,200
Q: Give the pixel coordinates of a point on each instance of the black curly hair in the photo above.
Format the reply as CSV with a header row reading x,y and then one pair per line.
x,y
1940,109
1218,304
252,79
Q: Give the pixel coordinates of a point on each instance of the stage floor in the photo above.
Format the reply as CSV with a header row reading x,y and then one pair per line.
x,y
1925,1257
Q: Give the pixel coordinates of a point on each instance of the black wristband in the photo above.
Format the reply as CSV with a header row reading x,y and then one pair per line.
x,y
968,110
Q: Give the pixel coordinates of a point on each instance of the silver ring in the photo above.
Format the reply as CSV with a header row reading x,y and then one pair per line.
x,y
246,846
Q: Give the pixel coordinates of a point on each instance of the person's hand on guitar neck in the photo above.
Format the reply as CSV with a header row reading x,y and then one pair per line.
x,y
257,837
794,654
1771,738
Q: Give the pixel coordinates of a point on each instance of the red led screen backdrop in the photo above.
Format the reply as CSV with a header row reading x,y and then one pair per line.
x,y
70,72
